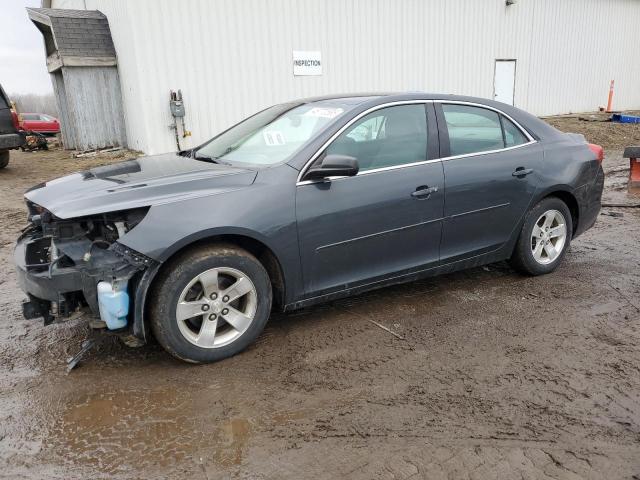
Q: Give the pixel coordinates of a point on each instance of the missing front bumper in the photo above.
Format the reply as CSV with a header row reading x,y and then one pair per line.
x,y
55,292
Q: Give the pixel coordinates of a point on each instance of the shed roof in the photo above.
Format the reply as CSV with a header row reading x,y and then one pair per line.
x,y
75,33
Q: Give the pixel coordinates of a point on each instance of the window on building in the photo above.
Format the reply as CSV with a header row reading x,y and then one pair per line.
x,y
387,137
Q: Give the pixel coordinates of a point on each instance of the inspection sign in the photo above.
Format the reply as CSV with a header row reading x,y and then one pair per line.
x,y
307,62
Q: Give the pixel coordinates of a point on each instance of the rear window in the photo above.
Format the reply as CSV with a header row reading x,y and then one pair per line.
x,y
30,116
476,129
512,135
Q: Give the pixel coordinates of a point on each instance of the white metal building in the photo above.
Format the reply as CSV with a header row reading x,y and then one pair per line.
x,y
231,58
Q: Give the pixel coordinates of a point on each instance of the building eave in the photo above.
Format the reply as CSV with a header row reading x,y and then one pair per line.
x,y
55,61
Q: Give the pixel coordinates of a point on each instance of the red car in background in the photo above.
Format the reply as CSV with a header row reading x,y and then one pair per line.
x,y
39,122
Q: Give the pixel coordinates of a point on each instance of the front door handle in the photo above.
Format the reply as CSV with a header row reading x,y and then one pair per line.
x,y
522,172
424,191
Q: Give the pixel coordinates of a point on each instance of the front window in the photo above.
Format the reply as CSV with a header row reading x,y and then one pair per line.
x,y
273,135
388,137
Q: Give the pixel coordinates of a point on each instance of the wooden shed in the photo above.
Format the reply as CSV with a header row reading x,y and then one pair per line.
x,y
82,62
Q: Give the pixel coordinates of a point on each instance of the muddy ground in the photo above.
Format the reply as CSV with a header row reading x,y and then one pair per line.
x,y
495,375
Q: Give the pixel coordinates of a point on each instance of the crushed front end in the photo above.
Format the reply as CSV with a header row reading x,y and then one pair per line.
x,y
70,265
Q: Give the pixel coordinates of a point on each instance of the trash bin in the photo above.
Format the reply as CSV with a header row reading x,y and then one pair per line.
x,y
633,154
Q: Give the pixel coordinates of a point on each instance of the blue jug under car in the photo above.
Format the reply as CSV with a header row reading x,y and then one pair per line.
x,y
113,302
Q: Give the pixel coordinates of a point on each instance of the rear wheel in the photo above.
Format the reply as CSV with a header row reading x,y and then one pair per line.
x,y
4,158
544,238
211,304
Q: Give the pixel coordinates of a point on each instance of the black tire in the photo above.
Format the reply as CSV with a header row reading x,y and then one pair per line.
x,y
522,258
175,278
4,159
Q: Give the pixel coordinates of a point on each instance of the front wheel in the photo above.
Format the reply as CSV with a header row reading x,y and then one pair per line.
x,y
544,238
210,303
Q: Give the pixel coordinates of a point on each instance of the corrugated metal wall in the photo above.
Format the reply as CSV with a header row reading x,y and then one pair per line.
x,y
233,57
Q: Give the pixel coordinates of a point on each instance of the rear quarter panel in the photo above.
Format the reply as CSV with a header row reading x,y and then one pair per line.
x,y
569,165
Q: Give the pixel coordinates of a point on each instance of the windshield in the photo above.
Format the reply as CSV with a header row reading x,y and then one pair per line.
x,y
273,135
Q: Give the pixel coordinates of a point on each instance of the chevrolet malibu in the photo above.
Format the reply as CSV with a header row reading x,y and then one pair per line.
x,y
303,203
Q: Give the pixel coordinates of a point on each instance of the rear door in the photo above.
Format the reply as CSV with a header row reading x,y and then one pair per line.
x,y
35,122
491,168
386,220
30,121
46,123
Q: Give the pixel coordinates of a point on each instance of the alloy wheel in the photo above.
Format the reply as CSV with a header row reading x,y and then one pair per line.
x,y
548,237
216,307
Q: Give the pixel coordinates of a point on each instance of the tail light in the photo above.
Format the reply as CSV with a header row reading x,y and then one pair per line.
x,y
598,150
16,122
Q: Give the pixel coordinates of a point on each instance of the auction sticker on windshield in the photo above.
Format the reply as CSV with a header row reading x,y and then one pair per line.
x,y
324,112
273,138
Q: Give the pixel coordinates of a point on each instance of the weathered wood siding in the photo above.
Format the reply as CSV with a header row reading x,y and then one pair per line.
x,y
94,108
66,125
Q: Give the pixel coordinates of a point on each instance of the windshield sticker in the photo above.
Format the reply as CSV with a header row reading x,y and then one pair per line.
x,y
273,138
324,112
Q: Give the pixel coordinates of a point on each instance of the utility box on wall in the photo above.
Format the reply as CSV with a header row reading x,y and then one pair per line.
x,y
82,62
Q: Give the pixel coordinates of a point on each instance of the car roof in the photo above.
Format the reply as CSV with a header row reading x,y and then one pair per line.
x,y
536,127
357,98
347,98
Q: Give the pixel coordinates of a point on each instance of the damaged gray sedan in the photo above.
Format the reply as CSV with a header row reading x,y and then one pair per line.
x,y
299,204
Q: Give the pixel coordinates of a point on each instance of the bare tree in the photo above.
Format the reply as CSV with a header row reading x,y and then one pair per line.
x,y
33,103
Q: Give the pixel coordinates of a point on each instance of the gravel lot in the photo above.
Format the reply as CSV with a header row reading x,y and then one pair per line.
x,y
492,374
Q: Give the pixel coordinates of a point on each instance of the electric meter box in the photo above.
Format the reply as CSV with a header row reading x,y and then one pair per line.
x,y
177,108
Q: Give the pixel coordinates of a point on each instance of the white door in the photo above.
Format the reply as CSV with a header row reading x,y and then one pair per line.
x,y
505,81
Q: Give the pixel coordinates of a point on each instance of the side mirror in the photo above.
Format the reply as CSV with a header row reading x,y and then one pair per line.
x,y
334,166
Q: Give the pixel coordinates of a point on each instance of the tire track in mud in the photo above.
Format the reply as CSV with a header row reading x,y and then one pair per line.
x,y
498,376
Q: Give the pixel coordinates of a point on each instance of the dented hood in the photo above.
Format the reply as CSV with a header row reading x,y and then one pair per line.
x,y
142,182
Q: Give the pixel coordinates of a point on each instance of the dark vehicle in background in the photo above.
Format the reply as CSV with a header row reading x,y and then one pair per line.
x,y
39,123
303,203
9,136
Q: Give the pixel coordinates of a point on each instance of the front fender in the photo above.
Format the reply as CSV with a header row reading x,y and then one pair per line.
x,y
143,283
263,212
217,232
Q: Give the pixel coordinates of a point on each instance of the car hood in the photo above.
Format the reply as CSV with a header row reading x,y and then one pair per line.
x,y
143,182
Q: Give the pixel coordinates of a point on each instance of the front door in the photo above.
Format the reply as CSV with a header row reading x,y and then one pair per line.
x,y
491,170
504,81
386,220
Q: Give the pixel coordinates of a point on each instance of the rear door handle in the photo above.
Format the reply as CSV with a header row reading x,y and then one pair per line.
x,y
522,172
424,191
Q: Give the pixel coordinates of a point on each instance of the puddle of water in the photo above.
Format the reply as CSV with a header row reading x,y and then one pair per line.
x,y
604,308
232,445
124,430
